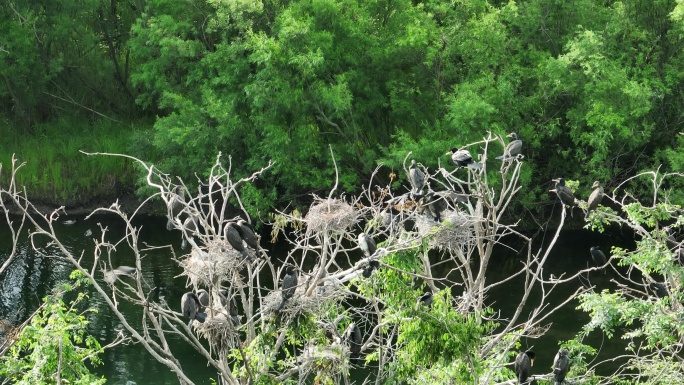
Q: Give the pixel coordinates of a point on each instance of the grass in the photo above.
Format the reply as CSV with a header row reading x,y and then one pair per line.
x,y
56,172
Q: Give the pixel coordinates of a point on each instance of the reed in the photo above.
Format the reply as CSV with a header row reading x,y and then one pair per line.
x,y
55,170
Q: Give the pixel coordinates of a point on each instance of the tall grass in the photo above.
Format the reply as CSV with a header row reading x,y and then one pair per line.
x,y
55,171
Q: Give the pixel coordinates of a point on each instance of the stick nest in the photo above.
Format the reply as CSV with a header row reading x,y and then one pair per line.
x,y
218,330
455,230
215,262
333,215
331,359
301,304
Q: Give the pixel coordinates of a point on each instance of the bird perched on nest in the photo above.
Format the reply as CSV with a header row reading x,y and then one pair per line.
x,y
232,233
190,306
288,285
564,193
416,178
513,148
598,257
595,197
561,366
523,363
175,205
436,204
229,303
462,158
110,276
203,297
425,300
352,337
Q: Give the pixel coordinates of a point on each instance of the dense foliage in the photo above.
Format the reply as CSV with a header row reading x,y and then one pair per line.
x,y
55,344
593,88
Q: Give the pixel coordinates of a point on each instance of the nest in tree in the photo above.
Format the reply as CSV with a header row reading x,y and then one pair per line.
x,y
455,230
214,262
331,359
218,330
300,303
332,215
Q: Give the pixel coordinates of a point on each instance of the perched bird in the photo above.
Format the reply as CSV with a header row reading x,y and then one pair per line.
x,y
425,299
598,256
174,205
232,234
190,227
595,197
564,193
367,244
659,289
288,285
436,204
110,276
247,234
513,148
190,306
203,297
523,363
462,158
352,337
368,270
229,303
416,178
561,366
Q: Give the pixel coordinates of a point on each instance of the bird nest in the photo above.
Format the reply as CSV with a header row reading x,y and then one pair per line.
x,y
455,230
331,359
300,303
218,330
214,262
329,215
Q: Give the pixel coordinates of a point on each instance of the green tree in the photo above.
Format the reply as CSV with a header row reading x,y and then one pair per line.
x,y
54,346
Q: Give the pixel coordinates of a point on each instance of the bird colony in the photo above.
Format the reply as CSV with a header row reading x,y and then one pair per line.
x,y
237,290
315,312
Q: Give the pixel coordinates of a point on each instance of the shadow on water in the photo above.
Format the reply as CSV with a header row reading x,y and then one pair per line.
x,y
31,276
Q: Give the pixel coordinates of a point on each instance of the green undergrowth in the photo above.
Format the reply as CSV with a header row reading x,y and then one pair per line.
x,y
55,171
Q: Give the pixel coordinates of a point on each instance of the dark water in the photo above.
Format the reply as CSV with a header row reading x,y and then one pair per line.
x,y
31,276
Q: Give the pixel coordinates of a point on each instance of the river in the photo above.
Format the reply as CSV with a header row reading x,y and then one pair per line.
x,y
31,276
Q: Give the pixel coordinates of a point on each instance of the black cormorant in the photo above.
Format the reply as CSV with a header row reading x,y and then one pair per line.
x,y
247,233
598,257
436,204
288,285
595,197
190,306
203,297
175,205
416,178
232,234
513,148
523,363
564,193
561,366
368,270
659,289
425,299
367,244
352,337
462,158
190,227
